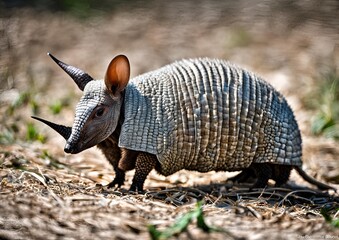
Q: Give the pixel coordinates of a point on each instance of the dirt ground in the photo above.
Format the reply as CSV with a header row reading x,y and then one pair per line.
x,y
47,194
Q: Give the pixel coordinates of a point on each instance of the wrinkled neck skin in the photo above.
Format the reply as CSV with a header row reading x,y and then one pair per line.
x,y
96,119
110,148
113,139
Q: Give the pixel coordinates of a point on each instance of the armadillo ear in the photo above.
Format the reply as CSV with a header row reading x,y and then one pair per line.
x,y
117,74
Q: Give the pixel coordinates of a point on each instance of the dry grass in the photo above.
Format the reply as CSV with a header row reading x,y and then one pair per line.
x,y
39,200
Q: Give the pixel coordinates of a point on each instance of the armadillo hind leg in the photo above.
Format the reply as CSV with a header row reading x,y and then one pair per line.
x,y
281,174
263,172
247,175
145,163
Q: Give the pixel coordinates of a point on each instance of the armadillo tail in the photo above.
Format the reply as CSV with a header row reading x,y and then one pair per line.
x,y
313,181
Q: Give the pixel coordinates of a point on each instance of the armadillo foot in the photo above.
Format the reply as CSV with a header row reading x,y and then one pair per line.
x,y
118,180
263,172
136,188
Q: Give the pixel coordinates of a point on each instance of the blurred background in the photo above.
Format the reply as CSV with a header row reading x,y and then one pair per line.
x,y
292,44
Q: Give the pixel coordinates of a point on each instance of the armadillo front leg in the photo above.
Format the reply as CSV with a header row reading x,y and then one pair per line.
x,y
126,163
112,152
128,159
119,178
144,165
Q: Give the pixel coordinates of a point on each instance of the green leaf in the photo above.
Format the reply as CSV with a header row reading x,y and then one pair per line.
x,y
326,214
326,121
33,134
321,123
181,225
34,106
56,107
332,132
155,234
335,223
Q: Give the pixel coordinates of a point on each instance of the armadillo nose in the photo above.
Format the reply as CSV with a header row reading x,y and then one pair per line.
x,y
68,148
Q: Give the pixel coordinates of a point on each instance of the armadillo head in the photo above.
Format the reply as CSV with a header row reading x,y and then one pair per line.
x,y
98,112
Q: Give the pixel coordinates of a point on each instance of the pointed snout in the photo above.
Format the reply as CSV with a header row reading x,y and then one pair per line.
x,y
63,131
70,148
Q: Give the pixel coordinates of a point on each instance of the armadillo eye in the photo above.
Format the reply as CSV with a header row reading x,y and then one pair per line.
x,y
99,112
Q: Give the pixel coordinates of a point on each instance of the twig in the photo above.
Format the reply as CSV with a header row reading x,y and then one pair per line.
x,y
294,192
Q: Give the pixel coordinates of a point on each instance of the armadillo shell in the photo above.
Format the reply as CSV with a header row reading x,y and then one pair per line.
x,y
204,115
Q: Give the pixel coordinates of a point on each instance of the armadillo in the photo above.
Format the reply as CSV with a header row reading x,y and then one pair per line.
x,y
194,114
